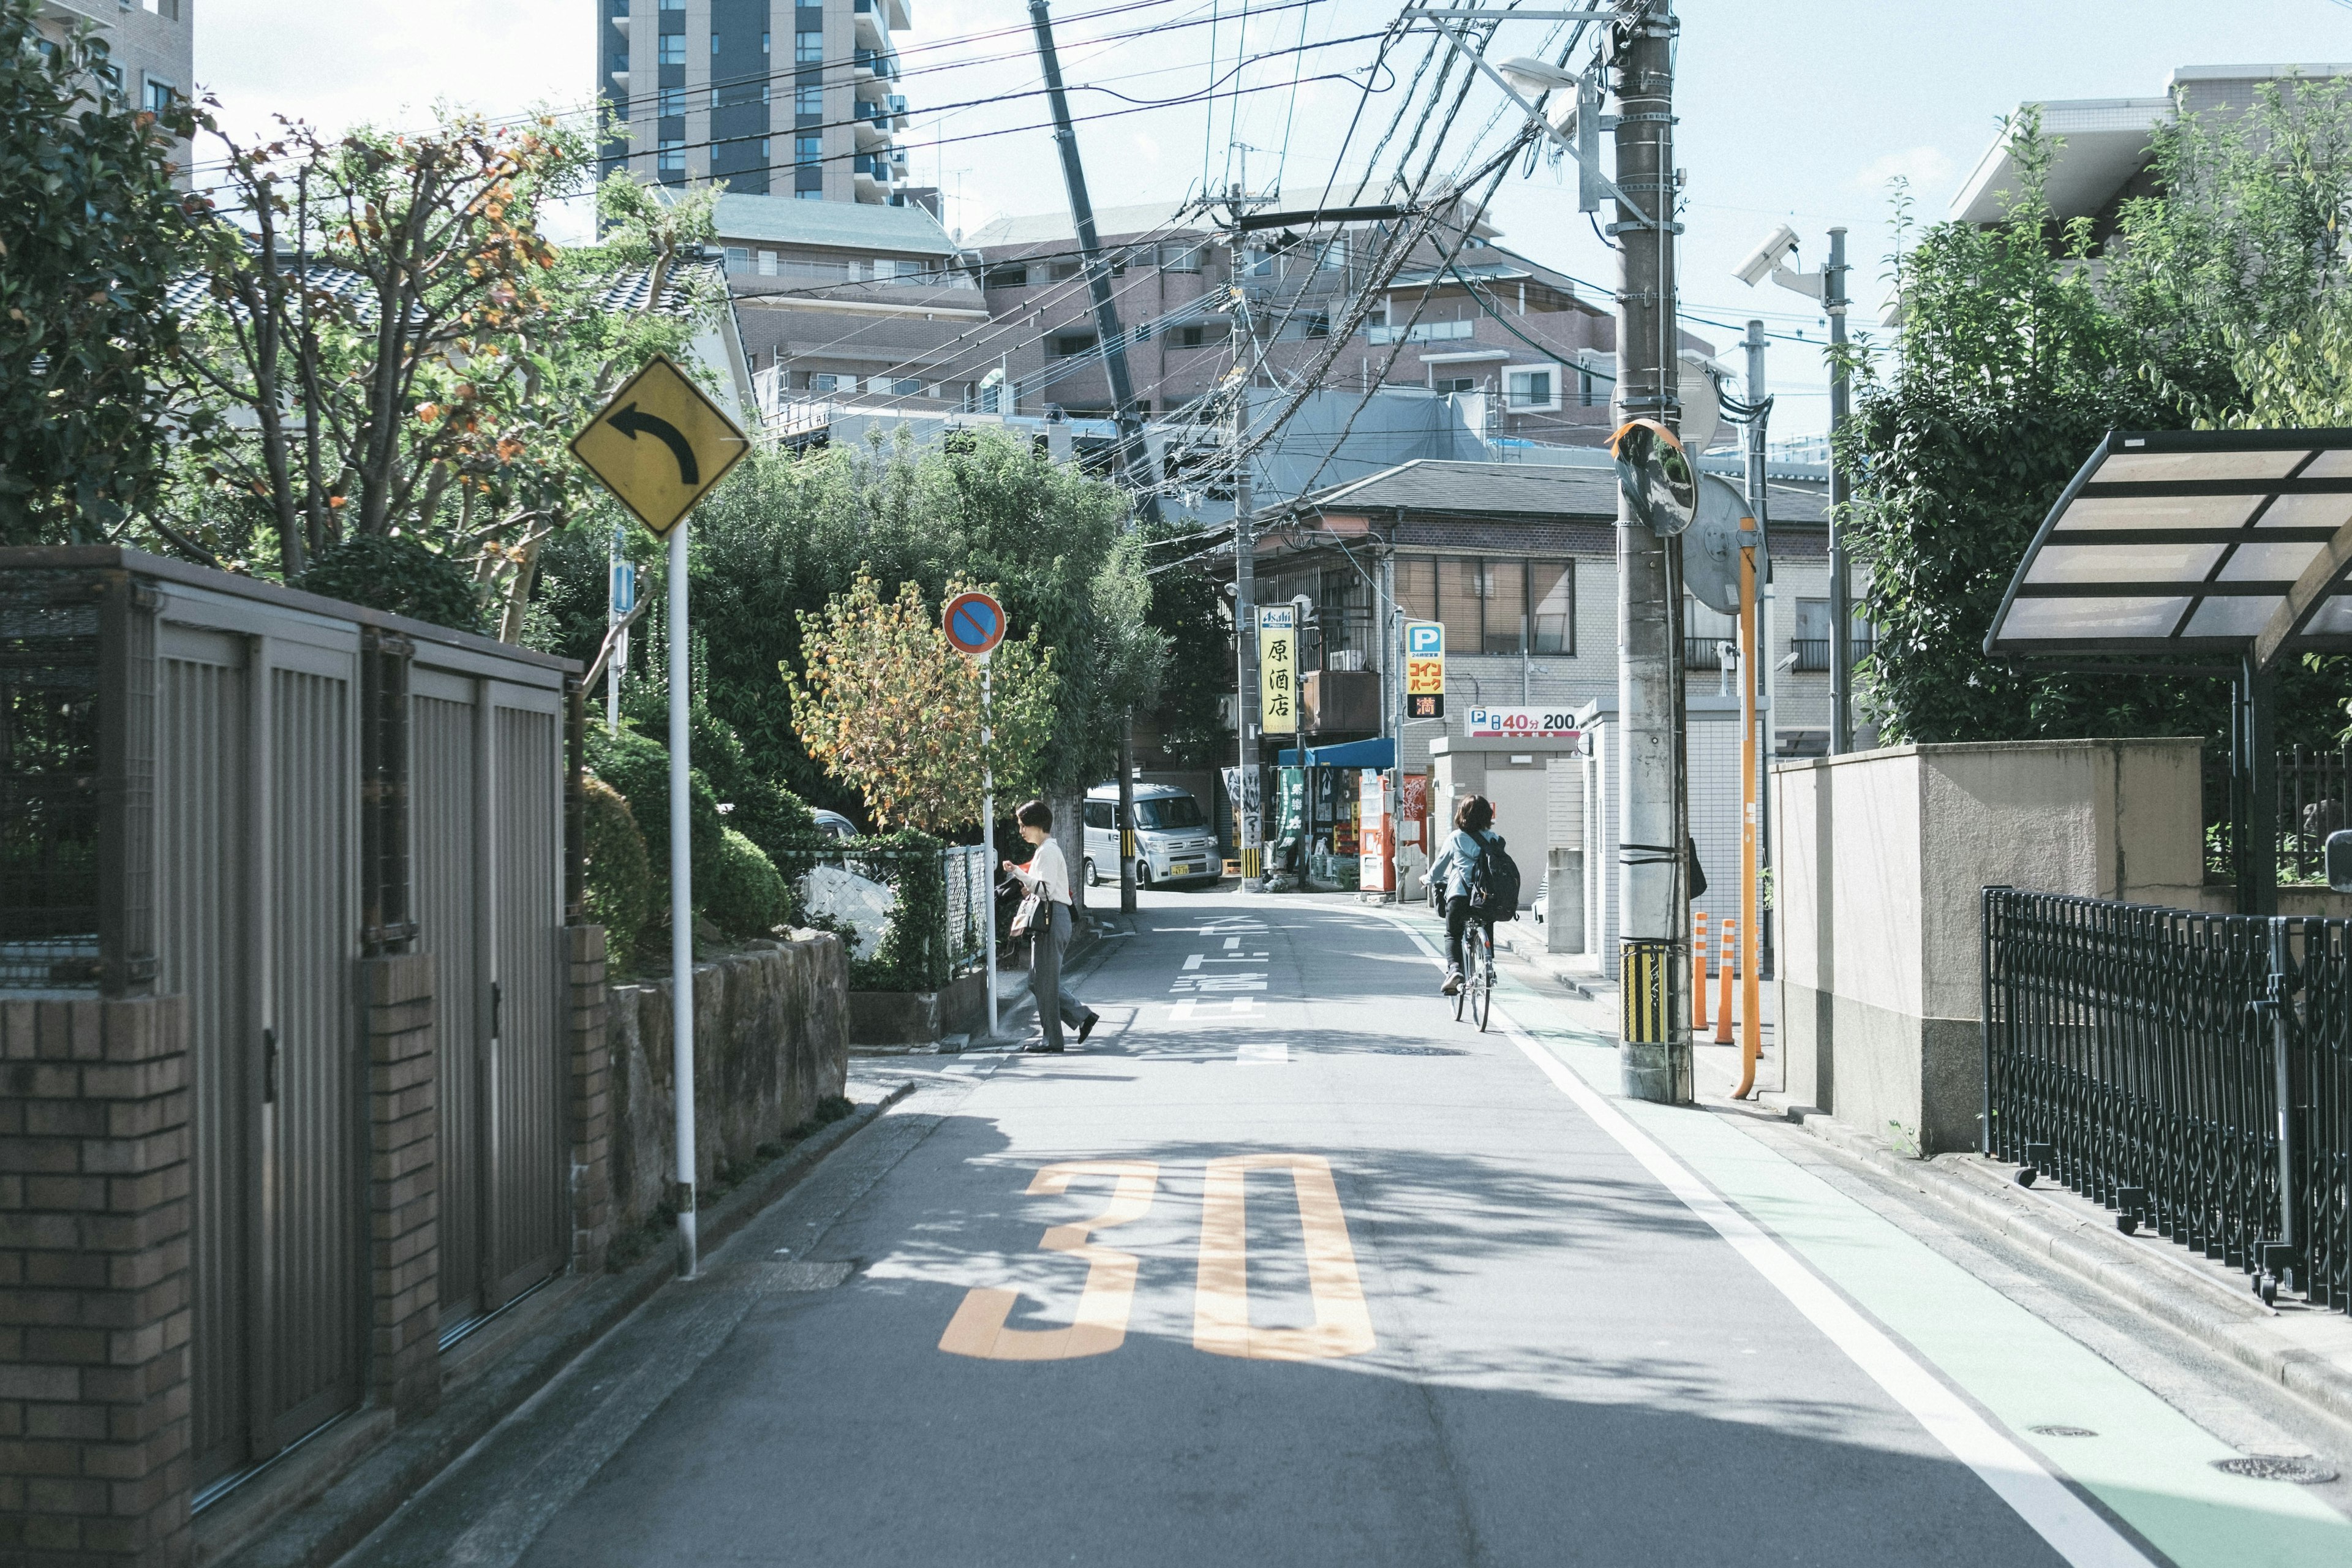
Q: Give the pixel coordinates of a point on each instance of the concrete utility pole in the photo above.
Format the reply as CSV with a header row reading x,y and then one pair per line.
x,y
1759,434
1833,300
1135,457
1245,626
1654,894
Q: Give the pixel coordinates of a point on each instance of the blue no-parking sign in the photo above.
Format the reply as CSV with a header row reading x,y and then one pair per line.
x,y
974,622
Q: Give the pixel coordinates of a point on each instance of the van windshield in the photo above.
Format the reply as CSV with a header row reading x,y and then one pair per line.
x,y
1167,812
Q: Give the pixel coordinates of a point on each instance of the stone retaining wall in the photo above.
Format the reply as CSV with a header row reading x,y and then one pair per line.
x,y
771,1038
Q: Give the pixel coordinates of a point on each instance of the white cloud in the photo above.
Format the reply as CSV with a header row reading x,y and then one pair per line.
x,y
1925,168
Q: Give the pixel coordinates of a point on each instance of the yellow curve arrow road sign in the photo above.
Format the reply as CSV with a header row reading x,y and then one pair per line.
x,y
660,444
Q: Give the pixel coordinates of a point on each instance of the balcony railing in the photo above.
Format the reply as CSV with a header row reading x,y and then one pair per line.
x,y
1421,332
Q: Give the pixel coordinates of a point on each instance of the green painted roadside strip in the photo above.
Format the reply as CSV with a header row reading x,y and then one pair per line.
x,y
2149,1463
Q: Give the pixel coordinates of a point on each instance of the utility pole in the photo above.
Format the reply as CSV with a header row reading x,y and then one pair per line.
x,y
1766,671
1654,1057
1135,457
1246,625
1833,300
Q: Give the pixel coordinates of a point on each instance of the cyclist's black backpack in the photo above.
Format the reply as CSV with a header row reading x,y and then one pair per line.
x,y
1495,886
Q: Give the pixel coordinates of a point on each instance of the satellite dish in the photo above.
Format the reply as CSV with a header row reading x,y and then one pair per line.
x,y
1655,475
1711,547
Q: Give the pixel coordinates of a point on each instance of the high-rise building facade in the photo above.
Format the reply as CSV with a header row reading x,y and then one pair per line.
x,y
150,43
765,96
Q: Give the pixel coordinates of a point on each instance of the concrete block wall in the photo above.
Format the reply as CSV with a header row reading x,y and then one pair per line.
x,y
1880,860
94,1282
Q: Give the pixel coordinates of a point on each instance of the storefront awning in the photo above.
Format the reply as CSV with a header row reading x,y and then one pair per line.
x,y
2236,542
1376,753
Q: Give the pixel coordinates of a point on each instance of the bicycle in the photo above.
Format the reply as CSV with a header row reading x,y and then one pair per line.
x,y
1477,991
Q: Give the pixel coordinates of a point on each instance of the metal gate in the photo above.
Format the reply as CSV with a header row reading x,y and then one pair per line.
x,y
486,825
257,883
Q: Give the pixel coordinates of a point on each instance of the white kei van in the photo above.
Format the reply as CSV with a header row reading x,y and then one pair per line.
x,y
1174,840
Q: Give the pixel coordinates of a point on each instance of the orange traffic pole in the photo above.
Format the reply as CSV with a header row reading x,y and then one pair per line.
x,y
1698,971
1723,1000
1750,948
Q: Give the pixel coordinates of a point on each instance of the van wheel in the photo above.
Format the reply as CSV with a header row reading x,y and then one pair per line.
x,y
1094,878
1143,873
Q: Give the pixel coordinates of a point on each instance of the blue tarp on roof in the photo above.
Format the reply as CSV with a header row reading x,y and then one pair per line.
x,y
1378,753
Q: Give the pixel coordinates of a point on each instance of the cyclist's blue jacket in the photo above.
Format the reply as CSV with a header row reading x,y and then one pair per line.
x,y
1464,852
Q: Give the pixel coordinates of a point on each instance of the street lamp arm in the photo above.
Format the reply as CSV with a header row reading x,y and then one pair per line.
x,y
1552,132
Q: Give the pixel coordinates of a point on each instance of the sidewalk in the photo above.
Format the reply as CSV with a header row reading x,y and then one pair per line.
x,y
2304,1349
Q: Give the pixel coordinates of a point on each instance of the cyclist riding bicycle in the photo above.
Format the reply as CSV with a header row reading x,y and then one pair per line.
x,y
1464,858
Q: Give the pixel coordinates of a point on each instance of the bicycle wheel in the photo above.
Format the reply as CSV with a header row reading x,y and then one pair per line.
x,y
1462,998
1479,984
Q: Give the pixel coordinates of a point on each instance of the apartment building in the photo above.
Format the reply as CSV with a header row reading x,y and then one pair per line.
x,y
151,43
2101,148
1488,321
763,97
848,304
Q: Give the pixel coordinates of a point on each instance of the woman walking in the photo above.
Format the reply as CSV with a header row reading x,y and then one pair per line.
x,y
1048,878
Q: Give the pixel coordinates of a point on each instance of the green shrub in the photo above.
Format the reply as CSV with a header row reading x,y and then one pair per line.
x,y
738,888
398,573
620,883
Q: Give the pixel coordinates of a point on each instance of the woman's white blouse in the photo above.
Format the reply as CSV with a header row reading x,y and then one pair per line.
x,y
1048,869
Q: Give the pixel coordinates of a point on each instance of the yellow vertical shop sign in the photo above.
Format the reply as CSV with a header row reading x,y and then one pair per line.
x,y
1277,669
1424,670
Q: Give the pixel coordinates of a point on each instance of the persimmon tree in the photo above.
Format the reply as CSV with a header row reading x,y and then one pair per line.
x,y
389,343
888,706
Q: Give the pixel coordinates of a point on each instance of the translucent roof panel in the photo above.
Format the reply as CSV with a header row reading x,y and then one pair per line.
x,y
2192,541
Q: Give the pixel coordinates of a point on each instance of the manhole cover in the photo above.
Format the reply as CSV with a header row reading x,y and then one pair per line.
x,y
2277,1467
2059,1431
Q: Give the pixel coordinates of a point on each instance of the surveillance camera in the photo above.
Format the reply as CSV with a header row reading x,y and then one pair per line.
x,y
1777,246
1533,76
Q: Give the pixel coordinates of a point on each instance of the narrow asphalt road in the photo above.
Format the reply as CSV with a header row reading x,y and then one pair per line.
x,y
1290,1267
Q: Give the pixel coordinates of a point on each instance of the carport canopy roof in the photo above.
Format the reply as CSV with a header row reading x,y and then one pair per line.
x,y
2191,543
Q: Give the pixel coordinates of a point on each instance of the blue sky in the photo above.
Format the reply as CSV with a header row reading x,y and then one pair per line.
x,y
1796,111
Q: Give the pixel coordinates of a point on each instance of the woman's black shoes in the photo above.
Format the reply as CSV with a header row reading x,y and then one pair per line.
x,y
1041,1049
1086,1026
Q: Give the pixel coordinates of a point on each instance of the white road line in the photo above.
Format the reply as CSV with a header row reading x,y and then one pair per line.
x,y
1263,1053
1195,961
2055,1514
1232,943
1244,1004
1182,1013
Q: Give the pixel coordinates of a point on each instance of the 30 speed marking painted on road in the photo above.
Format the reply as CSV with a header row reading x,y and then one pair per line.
x,y
1099,1326
1221,1312
1221,1309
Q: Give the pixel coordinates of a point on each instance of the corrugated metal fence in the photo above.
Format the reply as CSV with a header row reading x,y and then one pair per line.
x,y
214,788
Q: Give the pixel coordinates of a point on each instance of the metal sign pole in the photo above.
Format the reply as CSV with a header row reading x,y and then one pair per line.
x,y
988,818
681,904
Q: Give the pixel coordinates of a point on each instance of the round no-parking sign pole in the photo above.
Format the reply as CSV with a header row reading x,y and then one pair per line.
x,y
974,624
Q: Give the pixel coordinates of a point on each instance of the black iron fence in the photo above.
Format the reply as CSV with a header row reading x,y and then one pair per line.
x,y
2141,1056
913,917
2314,800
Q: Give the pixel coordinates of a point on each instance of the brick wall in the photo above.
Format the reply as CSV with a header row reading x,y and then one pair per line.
x,y
94,1306
592,1097
404,1196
